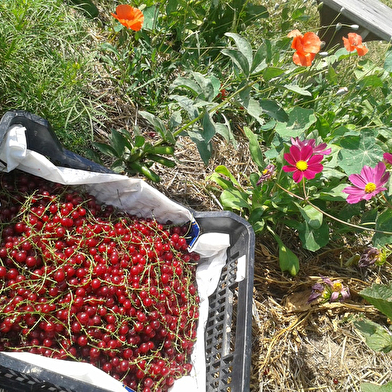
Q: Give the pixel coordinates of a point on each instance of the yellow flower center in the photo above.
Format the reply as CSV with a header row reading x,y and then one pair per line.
x,y
337,286
301,165
370,187
265,171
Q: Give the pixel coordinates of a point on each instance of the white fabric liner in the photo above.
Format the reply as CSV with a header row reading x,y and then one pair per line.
x,y
138,198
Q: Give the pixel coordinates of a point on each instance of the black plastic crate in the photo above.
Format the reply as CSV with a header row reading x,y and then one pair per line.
x,y
21,376
229,326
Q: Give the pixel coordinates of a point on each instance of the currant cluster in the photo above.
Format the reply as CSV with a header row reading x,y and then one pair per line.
x,y
84,281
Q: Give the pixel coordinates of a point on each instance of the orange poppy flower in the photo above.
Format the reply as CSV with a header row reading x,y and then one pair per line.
x,y
354,42
130,17
306,46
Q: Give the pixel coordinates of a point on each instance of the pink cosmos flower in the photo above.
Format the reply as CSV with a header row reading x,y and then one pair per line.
x,y
387,157
367,184
319,149
302,162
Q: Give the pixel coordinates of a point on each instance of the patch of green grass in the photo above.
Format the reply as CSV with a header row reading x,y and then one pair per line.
x,y
47,63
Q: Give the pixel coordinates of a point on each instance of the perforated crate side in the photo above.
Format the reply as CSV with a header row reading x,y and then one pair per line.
x,y
228,330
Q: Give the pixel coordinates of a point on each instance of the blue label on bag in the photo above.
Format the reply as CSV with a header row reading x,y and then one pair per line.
x,y
193,234
128,389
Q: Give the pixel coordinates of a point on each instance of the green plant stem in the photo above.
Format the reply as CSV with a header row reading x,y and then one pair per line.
x,y
304,189
386,201
331,216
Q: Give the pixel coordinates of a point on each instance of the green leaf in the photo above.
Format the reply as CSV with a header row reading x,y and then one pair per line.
x,y
313,238
187,83
383,223
376,337
300,120
88,7
368,387
159,126
358,151
297,89
380,296
335,193
187,104
238,59
312,216
255,219
369,218
254,12
259,60
234,199
288,261
222,182
215,83
208,128
244,47
332,75
118,166
271,73
110,48
273,110
252,106
119,142
205,149
150,14
223,170
139,141
254,148
370,81
209,85
225,131
388,61
106,149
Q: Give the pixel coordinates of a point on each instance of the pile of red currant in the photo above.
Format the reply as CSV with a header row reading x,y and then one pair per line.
x,y
83,281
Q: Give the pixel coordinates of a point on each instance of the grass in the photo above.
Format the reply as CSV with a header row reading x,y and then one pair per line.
x,y
48,65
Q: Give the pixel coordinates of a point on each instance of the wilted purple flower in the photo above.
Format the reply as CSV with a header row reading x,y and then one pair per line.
x,y
371,256
367,184
387,157
329,290
267,173
317,290
319,149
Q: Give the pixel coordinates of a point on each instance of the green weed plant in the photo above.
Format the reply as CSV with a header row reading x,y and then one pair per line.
x,y
340,99
205,70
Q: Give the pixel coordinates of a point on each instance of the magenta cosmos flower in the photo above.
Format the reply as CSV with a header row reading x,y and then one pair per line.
x,y
319,149
367,184
302,162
